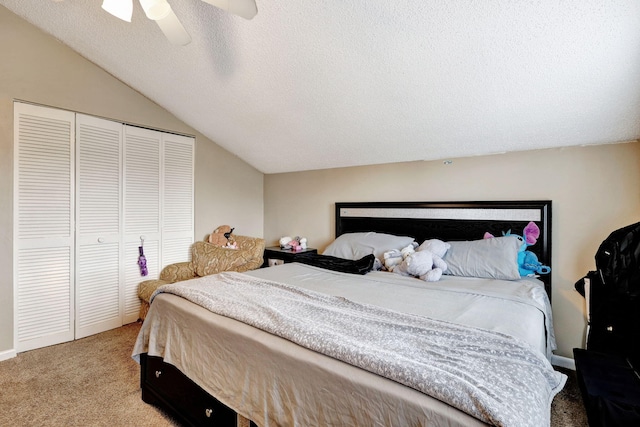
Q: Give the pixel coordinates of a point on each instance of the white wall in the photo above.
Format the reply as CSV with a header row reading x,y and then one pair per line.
x,y
594,191
37,68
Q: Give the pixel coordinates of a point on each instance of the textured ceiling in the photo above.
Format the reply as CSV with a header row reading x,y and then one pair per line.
x,y
312,84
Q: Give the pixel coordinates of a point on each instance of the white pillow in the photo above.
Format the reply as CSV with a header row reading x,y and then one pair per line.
x,y
354,246
495,258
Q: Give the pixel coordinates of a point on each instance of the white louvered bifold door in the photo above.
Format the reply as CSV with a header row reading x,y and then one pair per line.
x,y
98,228
43,226
142,172
88,193
177,186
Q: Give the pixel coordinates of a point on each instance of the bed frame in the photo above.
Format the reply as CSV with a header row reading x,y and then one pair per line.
x,y
450,221
165,386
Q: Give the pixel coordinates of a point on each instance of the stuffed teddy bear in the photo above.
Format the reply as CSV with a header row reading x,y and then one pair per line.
x,y
437,247
392,259
425,262
296,244
222,237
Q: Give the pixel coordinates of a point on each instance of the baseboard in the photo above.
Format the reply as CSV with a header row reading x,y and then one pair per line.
x,y
563,362
7,354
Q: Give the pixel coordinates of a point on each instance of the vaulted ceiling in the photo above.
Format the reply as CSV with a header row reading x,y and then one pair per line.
x,y
313,84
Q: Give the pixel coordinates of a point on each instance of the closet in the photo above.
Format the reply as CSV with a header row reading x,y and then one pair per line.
x,y
88,193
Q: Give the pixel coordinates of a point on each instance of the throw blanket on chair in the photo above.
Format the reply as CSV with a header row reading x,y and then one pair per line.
x,y
491,376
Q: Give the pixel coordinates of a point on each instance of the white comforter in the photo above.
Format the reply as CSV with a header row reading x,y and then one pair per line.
x,y
474,303
518,308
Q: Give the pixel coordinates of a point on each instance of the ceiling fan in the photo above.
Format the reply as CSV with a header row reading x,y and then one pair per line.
x,y
161,12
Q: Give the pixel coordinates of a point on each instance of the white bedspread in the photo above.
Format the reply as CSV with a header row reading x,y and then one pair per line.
x,y
518,308
255,371
489,375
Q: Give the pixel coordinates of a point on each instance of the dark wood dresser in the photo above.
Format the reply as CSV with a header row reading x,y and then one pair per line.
x,y
163,385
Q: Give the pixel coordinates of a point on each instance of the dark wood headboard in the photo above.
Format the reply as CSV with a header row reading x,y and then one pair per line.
x,y
450,221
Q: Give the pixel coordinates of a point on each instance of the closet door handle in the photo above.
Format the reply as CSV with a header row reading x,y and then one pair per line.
x,y
100,239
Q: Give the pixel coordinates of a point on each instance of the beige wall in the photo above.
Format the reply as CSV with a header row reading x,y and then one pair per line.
x,y
594,191
37,68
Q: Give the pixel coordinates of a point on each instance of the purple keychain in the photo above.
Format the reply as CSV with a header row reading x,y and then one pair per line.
x,y
142,260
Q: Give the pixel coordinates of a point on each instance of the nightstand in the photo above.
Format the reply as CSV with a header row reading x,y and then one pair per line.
x,y
273,255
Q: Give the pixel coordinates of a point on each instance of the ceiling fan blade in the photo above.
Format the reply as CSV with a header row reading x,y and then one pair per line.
x,y
246,9
122,9
173,29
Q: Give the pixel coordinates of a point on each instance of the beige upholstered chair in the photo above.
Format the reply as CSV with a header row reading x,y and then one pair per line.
x,y
206,259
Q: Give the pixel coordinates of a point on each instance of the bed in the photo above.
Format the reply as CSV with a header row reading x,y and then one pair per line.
x,y
211,362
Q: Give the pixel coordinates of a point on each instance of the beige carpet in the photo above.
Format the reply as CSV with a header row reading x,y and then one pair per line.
x,y
89,382
94,382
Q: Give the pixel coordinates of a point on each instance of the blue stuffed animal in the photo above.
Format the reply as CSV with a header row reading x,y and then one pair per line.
x,y
528,264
